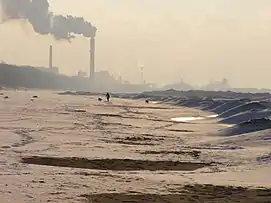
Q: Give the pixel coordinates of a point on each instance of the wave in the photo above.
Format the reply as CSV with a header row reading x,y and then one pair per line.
x,y
213,105
226,106
252,106
252,125
242,114
246,116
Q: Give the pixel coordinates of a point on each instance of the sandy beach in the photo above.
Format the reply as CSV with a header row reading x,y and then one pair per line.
x,y
68,148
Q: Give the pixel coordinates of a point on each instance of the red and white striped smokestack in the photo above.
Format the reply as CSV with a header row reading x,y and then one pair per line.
x,y
51,56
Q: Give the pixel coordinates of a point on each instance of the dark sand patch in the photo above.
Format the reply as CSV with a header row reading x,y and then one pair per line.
x,y
181,131
142,138
124,116
264,159
195,154
25,138
114,164
145,139
210,147
189,194
76,110
124,142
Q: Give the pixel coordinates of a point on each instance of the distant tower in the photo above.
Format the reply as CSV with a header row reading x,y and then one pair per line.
x,y
142,74
92,55
51,56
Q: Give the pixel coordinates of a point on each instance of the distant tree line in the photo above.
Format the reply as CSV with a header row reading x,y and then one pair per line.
x,y
13,76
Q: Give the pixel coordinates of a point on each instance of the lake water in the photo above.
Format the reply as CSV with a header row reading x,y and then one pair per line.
x,y
186,119
192,118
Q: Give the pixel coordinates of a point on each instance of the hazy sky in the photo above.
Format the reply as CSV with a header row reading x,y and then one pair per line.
x,y
195,40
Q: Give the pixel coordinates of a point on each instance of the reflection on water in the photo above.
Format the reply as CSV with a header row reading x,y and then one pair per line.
x,y
185,119
226,125
212,116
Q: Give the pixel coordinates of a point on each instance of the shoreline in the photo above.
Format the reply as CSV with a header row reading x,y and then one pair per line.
x,y
124,133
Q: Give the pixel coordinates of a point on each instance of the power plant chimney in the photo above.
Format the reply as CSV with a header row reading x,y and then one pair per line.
x,y
51,57
92,56
92,59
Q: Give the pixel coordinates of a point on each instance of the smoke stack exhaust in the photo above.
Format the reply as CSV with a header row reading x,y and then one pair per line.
x,y
51,56
43,21
92,59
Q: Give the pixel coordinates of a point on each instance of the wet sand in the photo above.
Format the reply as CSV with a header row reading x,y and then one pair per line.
x,y
76,149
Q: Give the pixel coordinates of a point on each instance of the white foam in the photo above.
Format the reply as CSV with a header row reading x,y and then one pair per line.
x,y
212,116
186,119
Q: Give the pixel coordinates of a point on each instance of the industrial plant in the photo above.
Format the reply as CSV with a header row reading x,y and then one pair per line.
x,y
60,27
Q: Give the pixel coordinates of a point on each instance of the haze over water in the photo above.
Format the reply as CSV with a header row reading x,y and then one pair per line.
x,y
194,40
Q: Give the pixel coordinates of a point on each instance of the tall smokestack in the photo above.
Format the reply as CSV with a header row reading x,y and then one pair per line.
x,y
51,56
92,59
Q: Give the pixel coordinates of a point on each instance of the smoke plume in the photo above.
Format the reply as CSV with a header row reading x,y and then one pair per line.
x,y
45,22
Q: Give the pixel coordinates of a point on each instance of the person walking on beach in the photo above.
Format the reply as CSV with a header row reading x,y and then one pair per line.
x,y
107,97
